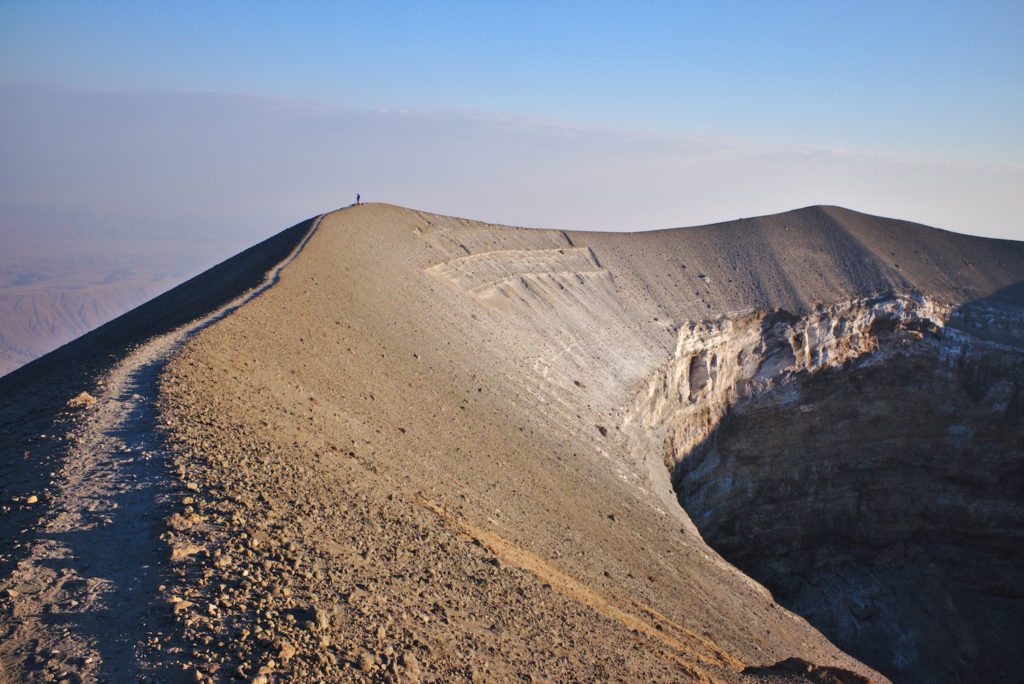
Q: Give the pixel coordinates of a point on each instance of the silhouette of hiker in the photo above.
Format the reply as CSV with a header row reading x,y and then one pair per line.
x,y
357,199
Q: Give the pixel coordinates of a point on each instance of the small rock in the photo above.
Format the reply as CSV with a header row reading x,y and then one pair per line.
x,y
366,662
32,499
181,551
83,400
179,604
286,652
409,662
322,618
179,522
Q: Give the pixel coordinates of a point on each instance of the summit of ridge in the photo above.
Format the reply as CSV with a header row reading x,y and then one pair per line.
x,y
431,446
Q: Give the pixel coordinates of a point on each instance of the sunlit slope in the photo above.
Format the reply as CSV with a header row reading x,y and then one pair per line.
x,y
488,369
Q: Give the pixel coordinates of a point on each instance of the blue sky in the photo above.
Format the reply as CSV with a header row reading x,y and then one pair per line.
x,y
939,79
604,115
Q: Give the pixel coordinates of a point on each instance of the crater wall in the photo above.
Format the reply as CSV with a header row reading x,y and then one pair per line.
x,y
864,462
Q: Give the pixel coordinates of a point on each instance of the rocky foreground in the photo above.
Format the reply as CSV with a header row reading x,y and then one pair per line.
x,y
438,450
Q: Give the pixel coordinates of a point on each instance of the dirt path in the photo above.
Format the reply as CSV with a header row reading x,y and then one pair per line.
x,y
84,600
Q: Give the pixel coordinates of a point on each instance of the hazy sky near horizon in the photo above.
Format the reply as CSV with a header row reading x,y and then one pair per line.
x,y
226,122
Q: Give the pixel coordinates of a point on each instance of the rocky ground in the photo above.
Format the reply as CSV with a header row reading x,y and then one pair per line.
x,y
402,590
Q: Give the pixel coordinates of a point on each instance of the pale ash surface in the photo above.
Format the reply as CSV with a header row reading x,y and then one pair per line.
x,y
419,383
84,601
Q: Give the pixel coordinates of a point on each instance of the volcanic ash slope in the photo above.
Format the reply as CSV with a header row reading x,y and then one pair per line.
x,y
445,450
432,423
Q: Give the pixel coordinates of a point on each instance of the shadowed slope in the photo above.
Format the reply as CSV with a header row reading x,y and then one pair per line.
x,y
33,397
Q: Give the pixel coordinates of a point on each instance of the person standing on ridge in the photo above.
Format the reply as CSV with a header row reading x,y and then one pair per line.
x,y
357,199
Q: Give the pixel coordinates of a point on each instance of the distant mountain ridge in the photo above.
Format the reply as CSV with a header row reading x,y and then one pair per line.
x,y
40,318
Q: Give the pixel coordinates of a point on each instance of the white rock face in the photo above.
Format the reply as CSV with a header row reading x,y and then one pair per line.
x,y
721,363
